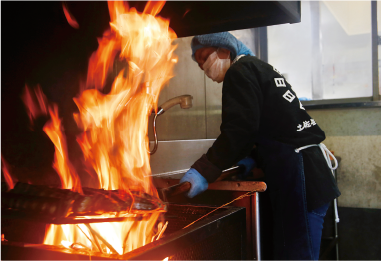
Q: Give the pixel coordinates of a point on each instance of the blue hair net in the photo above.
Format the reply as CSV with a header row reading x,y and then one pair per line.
x,y
224,39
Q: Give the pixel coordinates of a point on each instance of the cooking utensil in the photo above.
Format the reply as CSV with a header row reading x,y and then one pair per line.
x,y
168,192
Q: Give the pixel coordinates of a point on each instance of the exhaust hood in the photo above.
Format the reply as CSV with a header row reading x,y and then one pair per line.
x,y
188,18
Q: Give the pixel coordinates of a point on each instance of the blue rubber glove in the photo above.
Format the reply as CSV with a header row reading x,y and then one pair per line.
x,y
249,164
198,182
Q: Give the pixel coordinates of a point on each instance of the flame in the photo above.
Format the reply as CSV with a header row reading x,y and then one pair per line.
x,y
114,140
35,101
66,244
65,235
69,17
37,104
67,173
7,175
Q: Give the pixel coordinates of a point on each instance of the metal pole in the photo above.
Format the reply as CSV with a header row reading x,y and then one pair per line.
x,y
336,232
335,206
316,64
257,228
261,45
375,78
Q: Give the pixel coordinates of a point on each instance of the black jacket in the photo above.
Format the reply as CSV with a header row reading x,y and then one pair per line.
x,y
258,102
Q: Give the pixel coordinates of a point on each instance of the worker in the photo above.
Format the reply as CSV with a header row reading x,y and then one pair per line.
x,y
260,108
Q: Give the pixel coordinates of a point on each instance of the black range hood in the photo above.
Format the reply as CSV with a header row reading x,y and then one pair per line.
x,y
188,18
37,37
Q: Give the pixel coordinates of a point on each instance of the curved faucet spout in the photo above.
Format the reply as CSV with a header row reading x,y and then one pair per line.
x,y
185,102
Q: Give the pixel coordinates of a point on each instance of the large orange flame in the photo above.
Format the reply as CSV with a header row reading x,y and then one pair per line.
x,y
114,139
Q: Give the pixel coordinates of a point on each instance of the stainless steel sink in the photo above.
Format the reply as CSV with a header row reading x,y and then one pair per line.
x,y
175,155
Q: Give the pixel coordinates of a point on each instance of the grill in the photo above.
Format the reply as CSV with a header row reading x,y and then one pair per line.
x,y
219,236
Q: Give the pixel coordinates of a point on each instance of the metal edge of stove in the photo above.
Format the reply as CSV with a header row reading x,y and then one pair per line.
x,y
157,250
181,239
20,251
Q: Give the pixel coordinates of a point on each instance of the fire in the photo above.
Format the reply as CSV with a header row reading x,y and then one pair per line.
x,y
35,101
37,105
7,175
68,175
69,17
114,140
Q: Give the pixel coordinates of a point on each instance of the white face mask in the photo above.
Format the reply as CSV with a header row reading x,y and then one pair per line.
x,y
215,68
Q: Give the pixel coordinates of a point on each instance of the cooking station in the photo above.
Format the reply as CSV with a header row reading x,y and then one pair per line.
x,y
228,233
202,228
223,233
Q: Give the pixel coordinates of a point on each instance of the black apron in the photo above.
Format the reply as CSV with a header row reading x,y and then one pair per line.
x,y
284,175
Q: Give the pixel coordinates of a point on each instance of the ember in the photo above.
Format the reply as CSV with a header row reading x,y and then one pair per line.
x,y
114,140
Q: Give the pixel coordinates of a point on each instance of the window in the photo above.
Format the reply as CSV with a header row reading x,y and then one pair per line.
x,y
328,55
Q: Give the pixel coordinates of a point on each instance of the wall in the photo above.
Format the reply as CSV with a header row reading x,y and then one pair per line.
x,y
176,123
202,121
355,136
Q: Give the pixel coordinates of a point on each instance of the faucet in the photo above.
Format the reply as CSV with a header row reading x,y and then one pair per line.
x,y
185,102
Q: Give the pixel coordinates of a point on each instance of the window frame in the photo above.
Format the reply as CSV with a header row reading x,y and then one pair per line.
x,y
261,51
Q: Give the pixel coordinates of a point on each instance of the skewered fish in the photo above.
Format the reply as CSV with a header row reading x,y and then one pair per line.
x,y
56,203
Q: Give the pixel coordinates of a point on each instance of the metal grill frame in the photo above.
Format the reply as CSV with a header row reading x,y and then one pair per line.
x,y
165,247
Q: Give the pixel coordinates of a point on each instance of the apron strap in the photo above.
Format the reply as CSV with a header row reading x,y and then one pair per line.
x,y
326,154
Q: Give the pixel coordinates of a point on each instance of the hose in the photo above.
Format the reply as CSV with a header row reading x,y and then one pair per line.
x,y
156,144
